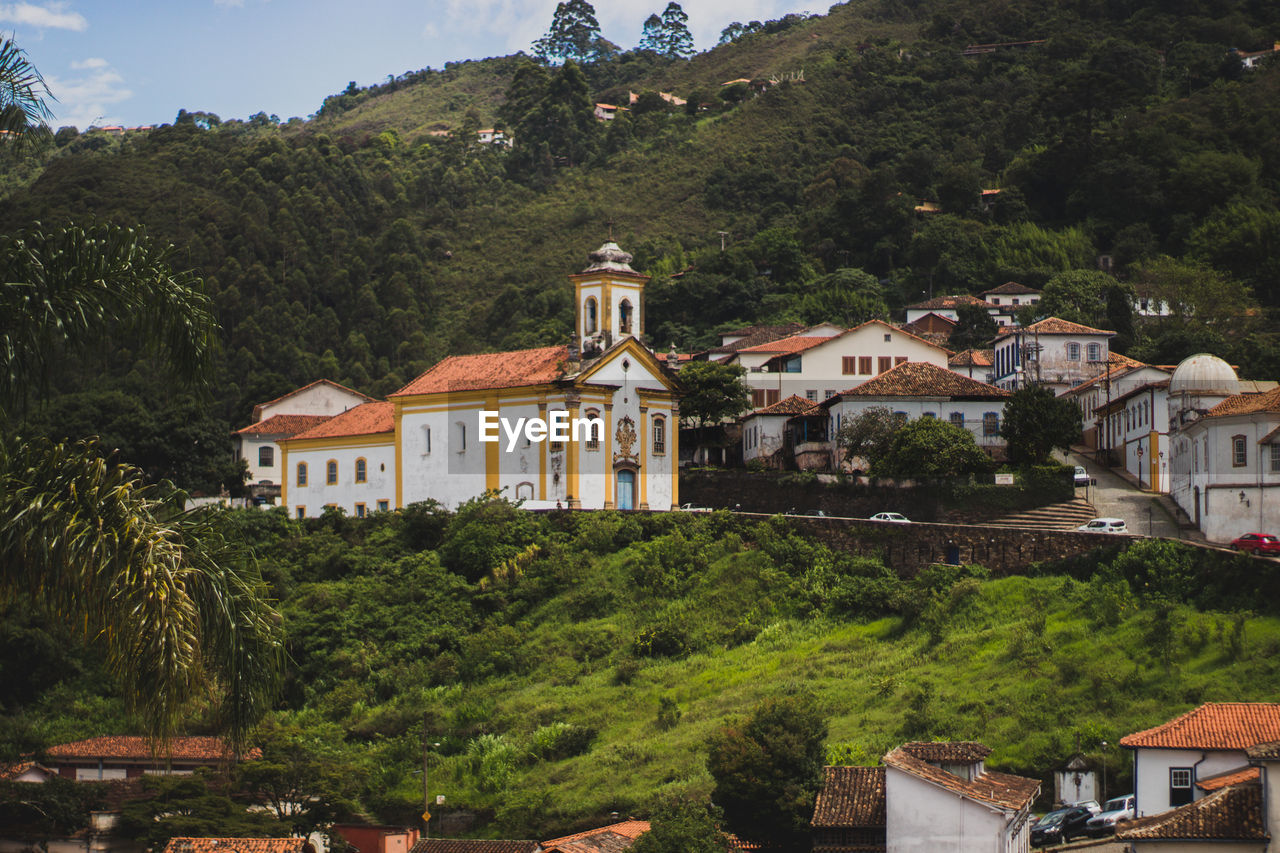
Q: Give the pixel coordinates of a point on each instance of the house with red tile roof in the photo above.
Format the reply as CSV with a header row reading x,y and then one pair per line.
x,y
1054,352
817,362
606,839
129,757
239,845
375,838
1172,759
481,423
947,306
765,436
1121,375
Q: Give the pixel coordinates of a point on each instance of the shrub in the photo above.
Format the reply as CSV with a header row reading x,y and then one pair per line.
x,y
660,641
561,740
492,760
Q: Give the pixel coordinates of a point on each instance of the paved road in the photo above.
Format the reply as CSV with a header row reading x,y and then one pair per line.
x,y
1115,498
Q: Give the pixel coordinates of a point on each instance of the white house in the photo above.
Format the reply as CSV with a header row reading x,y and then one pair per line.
x,y
974,363
1052,352
1122,375
947,306
488,423
1135,428
1008,298
284,417
764,431
922,390
820,361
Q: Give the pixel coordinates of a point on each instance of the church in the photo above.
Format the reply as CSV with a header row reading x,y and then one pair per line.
x,y
591,425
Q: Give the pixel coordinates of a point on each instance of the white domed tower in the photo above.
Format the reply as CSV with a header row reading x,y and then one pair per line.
x,y
1198,384
609,296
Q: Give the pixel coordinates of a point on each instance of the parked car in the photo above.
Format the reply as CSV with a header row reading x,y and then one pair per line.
x,y
1104,525
692,508
1062,825
1113,811
891,516
1082,476
816,513
1258,543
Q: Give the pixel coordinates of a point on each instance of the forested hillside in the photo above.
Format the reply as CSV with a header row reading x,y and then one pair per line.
x,y
360,247
571,665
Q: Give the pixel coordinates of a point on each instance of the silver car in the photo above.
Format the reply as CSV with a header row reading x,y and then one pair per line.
x,y
891,516
1104,525
1114,810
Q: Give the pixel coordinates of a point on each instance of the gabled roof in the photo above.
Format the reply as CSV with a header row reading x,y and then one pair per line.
x,y
850,797
973,358
793,405
1002,790
490,370
922,379
1118,366
752,335
474,845
606,839
1011,288
1247,404
1216,725
10,772
941,303
1229,778
1053,326
237,845
257,410
286,425
365,419
1228,814
130,746
947,752
788,346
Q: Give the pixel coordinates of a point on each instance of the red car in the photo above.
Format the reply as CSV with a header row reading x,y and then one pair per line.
x,y
1258,543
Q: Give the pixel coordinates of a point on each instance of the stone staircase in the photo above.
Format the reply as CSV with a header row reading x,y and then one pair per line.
x,y
1063,516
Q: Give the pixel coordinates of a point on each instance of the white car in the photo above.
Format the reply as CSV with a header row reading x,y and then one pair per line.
x,y
1104,525
1082,476
891,516
692,508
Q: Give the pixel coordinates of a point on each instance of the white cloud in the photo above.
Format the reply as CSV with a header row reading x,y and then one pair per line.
x,y
50,15
88,98
228,3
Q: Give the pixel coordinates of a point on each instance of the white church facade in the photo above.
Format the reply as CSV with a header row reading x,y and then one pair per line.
x,y
476,424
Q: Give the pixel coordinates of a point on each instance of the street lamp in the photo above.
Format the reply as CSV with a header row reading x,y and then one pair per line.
x,y
1104,773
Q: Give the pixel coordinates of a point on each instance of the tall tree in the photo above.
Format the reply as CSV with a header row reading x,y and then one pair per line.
x,y
574,33
974,328
1035,422
712,392
651,38
23,111
677,40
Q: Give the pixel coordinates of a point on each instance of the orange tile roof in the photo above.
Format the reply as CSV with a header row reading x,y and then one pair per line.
x,y
1216,725
237,845
1229,778
288,425
950,302
900,331
749,336
9,772
491,370
973,358
948,752
998,789
606,839
1010,287
365,419
133,747
789,346
793,405
1247,404
258,408
1233,814
850,797
922,379
1054,326
473,845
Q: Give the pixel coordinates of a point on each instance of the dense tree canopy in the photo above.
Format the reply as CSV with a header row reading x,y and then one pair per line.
x,y
1036,422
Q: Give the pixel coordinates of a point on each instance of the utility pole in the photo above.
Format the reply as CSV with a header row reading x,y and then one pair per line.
x,y
723,235
426,797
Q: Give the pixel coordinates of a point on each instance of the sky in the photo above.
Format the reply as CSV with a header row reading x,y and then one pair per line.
x,y
137,62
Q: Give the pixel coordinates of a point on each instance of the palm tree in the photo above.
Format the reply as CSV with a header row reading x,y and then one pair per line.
x,y
23,112
179,609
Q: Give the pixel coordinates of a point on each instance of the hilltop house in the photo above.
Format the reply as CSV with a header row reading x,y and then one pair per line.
x,y
947,306
1008,298
441,435
128,757
1053,352
926,797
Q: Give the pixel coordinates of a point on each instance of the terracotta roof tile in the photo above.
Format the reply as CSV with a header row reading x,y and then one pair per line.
x,y
1229,778
1012,288
1247,404
789,346
286,425
793,405
133,747
1270,437
1228,814
998,789
1216,725
947,752
236,845
922,379
491,370
850,797
753,335
365,419
9,772
1268,751
942,303
973,358
473,845
892,328
606,839
1054,326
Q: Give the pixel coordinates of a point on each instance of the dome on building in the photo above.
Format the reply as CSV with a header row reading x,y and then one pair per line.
x,y
1204,373
610,258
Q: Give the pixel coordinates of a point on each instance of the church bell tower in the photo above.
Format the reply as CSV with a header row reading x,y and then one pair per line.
x,y
609,300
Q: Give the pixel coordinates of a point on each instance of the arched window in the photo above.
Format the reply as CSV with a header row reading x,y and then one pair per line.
x,y
1073,351
593,431
659,435
592,321
524,491
266,457
331,472
302,474
624,317
362,470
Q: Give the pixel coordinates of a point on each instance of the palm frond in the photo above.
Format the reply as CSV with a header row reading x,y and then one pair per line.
x,y
24,113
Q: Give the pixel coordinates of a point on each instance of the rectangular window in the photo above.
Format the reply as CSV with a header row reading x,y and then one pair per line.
x,y
864,365
302,473
771,396
360,513
266,457
811,395
828,394
1275,458
757,398
331,472
427,435
1180,792
300,513
791,365
660,436
884,363
849,365
991,423
384,506
901,359
1095,352
1239,452
956,418
593,436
